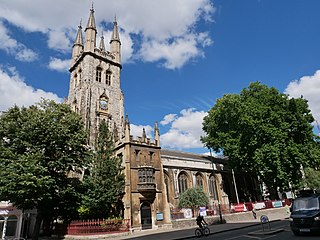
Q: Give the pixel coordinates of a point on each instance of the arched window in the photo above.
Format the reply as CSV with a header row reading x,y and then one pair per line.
x,y
199,181
98,74
183,182
166,181
212,187
108,77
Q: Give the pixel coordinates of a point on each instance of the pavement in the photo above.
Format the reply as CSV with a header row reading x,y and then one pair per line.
x,y
233,221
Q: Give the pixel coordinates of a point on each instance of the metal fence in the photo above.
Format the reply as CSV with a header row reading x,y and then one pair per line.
x,y
98,227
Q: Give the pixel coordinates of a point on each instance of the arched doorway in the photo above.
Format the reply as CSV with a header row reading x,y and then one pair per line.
x,y
145,214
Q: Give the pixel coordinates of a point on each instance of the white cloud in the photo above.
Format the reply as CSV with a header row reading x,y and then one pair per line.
x,y
15,48
168,119
309,88
174,53
59,64
154,31
185,131
136,130
57,39
14,91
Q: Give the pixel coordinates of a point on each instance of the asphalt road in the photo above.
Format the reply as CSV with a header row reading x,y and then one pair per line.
x,y
279,230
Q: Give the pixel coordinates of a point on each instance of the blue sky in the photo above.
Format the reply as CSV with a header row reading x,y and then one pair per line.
x,y
178,56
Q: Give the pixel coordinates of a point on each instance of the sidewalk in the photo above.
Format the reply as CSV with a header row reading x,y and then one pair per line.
x,y
233,221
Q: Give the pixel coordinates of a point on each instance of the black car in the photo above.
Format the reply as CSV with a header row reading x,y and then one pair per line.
x,y
305,215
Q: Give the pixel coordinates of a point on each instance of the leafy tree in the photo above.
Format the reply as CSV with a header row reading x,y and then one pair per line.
x,y
39,147
264,132
105,185
312,178
193,198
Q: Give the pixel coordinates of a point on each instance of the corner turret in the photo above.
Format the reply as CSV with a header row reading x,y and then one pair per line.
x,y
127,129
101,46
115,43
90,33
77,47
157,134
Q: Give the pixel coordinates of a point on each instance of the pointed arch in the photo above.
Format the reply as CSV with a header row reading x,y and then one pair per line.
x,y
183,182
199,180
212,187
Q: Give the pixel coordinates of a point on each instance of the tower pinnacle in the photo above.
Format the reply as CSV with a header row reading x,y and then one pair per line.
x,y
115,43
90,33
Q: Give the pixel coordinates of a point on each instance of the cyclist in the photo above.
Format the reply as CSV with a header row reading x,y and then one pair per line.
x,y
200,220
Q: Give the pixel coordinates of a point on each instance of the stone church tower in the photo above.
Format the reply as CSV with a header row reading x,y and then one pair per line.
x,y
96,95
94,90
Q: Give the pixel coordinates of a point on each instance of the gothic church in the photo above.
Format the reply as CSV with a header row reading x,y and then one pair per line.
x,y
154,177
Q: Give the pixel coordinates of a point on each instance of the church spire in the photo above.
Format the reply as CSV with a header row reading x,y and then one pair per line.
x,y
115,42
77,46
157,134
101,46
90,33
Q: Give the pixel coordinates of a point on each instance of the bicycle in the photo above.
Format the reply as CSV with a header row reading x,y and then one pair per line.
x,y
204,231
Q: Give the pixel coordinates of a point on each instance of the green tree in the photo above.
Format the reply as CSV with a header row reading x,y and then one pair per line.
x,y
39,147
105,184
193,198
263,132
312,178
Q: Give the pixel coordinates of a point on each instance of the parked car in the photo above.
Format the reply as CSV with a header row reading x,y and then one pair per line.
x,y
305,214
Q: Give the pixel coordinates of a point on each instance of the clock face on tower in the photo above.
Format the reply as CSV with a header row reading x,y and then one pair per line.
x,y
103,104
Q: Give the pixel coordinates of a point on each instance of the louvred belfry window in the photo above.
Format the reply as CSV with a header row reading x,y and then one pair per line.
x,y
98,74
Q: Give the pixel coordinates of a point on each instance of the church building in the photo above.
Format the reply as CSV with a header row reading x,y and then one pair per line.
x,y
155,177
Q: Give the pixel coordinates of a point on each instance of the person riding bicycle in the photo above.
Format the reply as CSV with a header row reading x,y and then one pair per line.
x,y
200,220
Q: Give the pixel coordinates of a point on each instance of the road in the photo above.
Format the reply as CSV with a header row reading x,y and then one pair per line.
x,y
279,230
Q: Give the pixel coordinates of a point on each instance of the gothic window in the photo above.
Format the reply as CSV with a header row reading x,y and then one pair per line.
x,y
199,181
98,74
145,175
108,78
183,182
212,187
151,156
166,181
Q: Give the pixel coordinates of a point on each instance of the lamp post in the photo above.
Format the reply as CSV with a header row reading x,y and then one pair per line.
x,y
235,185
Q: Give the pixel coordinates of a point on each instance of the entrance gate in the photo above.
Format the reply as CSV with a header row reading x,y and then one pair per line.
x,y
146,220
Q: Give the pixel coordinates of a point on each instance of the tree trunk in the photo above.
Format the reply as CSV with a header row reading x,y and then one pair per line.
x,y
36,229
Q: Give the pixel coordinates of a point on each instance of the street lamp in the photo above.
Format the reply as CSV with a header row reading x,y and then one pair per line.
x,y
235,185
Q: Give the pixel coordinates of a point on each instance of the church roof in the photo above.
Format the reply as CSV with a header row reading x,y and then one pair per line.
x,y
191,156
